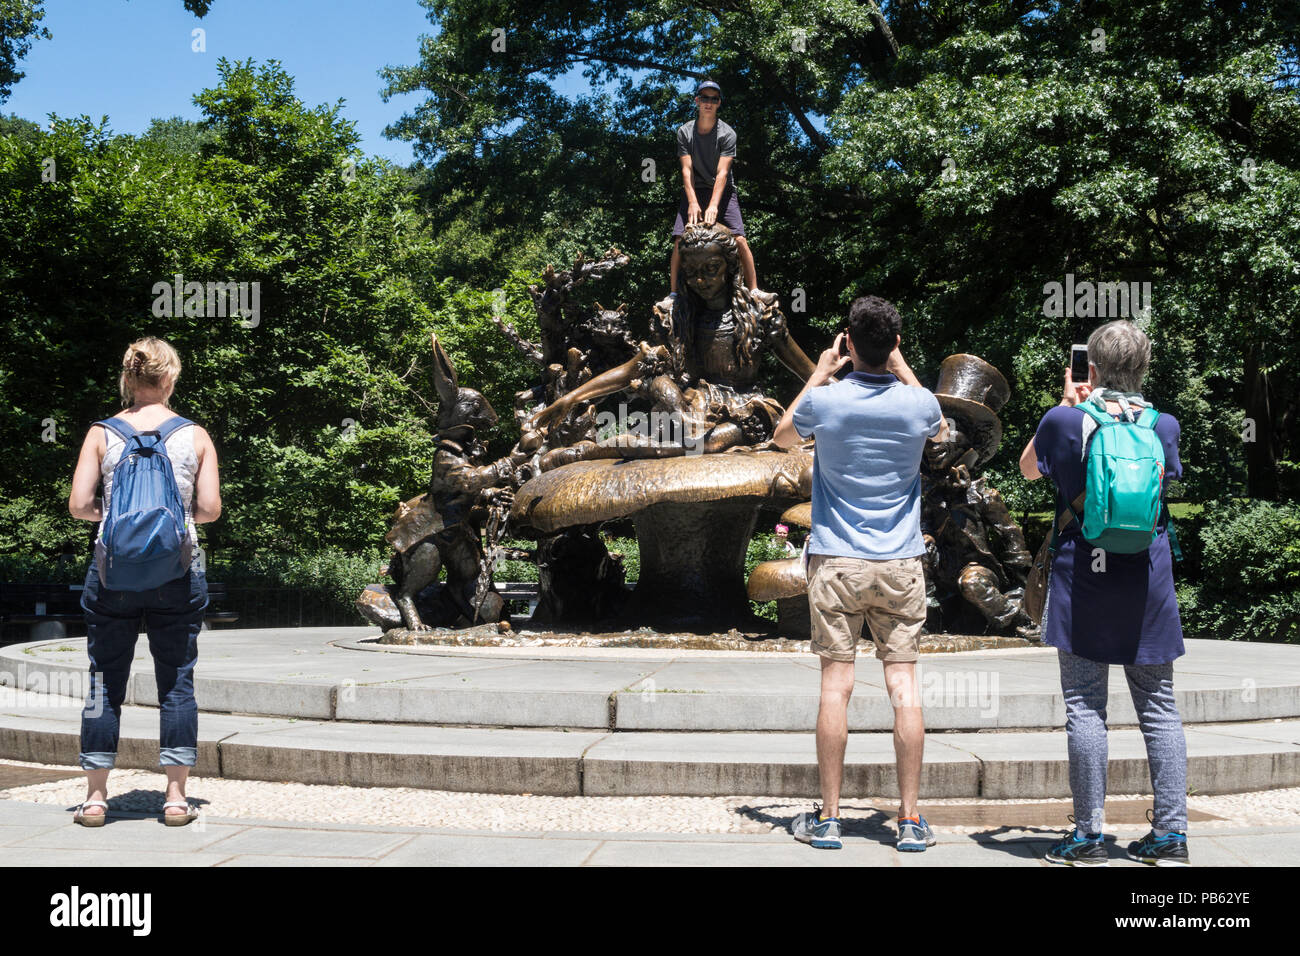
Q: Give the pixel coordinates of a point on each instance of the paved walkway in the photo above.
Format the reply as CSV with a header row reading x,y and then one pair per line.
x,y
34,835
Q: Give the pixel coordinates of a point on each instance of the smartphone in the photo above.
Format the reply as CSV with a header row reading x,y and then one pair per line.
x,y
844,343
1079,364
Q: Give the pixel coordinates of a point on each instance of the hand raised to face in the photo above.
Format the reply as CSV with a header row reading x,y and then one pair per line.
x,y
831,361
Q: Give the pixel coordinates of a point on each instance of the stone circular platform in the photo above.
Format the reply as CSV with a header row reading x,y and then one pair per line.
x,y
333,705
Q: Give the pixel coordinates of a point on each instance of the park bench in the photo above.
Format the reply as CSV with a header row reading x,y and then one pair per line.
x,y
45,608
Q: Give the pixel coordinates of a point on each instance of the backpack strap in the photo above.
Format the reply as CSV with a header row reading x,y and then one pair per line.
x,y
1169,529
1099,415
1069,513
172,424
127,431
1093,419
123,429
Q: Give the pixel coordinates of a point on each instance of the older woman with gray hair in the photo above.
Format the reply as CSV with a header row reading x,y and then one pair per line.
x,y
1105,607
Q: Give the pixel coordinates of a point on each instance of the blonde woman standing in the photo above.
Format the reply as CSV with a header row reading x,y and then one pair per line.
x,y
163,470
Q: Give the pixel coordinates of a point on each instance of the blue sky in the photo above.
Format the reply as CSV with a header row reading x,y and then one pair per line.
x,y
131,59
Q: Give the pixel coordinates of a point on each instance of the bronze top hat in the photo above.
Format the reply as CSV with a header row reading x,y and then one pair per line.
x,y
971,390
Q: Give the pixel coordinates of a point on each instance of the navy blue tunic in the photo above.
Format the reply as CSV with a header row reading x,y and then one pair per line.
x,y
1126,614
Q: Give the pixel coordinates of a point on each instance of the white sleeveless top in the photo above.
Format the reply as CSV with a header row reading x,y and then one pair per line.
x,y
185,465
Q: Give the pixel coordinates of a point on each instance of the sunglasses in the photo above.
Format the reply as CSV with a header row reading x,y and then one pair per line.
x,y
709,99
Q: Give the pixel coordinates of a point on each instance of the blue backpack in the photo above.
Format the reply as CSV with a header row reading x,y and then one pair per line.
x,y
143,542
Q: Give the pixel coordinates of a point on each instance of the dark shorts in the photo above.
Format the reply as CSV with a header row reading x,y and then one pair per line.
x,y
728,210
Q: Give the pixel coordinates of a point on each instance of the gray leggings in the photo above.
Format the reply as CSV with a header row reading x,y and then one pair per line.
x,y
1084,684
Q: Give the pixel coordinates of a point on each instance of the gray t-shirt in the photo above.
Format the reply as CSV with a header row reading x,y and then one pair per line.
x,y
704,150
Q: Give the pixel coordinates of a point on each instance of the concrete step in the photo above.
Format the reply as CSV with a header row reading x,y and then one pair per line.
x,y
1222,758
341,674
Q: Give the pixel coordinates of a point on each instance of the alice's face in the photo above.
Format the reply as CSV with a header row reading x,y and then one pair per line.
x,y
705,271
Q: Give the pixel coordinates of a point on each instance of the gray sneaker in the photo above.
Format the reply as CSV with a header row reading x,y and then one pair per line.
x,y
914,835
810,828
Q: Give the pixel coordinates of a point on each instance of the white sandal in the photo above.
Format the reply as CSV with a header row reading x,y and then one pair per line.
x,y
90,819
179,819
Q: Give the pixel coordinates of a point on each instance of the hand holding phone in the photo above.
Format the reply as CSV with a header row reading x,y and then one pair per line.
x,y
1079,364
1077,387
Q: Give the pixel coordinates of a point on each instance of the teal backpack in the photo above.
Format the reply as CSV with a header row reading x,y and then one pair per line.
x,y
1125,476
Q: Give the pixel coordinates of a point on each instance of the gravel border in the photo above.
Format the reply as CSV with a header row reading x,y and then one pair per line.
x,y
141,791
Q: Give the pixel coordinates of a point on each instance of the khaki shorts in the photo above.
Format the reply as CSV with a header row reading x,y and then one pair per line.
x,y
889,595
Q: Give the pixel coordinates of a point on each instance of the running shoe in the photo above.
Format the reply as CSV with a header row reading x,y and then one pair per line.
x,y
816,830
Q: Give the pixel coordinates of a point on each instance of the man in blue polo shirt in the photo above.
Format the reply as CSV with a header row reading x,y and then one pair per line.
x,y
866,546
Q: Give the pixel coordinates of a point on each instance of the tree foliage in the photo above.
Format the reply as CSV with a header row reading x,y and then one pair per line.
x,y
1003,147
20,25
955,157
320,412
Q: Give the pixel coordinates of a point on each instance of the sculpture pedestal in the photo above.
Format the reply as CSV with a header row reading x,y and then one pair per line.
x,y
694,517
693,565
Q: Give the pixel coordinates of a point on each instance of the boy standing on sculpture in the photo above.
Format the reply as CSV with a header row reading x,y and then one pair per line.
x,y
706,147
866,547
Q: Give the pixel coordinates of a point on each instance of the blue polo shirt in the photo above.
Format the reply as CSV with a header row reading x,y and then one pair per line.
x,y
871,432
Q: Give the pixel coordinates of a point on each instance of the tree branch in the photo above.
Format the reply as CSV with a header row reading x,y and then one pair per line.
x,y
590,57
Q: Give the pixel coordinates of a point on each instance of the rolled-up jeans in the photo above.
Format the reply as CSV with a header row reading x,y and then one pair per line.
x,y
172,616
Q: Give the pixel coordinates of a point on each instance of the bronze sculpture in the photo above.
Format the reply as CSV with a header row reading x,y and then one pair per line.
x,y
703,364
577,341
975,552
694,514
443,528
697,378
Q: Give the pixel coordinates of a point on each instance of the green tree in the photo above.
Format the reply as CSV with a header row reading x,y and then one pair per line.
x,y
518,175
1003,147
320,411
20,24
1013,144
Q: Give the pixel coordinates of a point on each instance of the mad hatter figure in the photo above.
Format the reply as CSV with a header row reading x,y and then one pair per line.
x,y
976,553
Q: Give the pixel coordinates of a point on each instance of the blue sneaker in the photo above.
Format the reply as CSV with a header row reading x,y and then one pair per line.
x,y
819,832
914,835
1168,850
1089,850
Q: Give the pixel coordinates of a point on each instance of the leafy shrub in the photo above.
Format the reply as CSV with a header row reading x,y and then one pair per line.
x,y
763,547
1249,587
326,571
37,569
